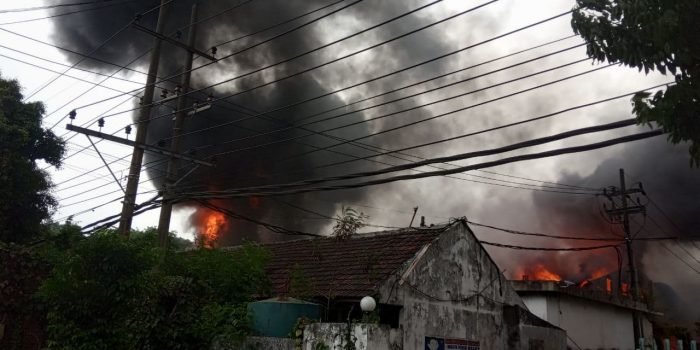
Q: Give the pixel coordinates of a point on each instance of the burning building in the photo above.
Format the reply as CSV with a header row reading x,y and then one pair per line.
x,y
596,313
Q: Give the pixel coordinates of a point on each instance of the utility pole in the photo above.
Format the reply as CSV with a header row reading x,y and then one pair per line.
x,y
622,215
142,128
176,141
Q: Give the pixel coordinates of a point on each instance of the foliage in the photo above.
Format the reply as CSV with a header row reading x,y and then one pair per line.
x,y
651,35
299,285
25,201
113,292
348,222
371,317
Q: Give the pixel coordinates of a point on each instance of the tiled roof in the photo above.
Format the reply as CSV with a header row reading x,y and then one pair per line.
x,y
352,267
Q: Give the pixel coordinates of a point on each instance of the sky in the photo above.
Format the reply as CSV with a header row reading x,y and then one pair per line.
x,y
515,201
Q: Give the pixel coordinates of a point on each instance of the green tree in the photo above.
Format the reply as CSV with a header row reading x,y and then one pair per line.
x,y
25,201
110,292
651,35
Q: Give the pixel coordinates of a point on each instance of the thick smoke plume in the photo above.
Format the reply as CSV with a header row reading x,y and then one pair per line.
x,y
273,163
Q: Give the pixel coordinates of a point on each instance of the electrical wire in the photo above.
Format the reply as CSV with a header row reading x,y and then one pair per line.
x,y
532,156
461,156
67,13
46,7
223,58
92,52
384,103
544,235
143,54
468,47
411,109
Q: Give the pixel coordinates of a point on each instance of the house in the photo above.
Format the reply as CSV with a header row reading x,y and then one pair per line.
x,y
596,314
435,287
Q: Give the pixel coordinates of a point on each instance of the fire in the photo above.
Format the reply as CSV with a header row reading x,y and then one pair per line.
x,y
211,227
539,273
603,271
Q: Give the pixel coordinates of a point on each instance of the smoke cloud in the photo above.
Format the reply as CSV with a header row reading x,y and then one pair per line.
x,y
662,168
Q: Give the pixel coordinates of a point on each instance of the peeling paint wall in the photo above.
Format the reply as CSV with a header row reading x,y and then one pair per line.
x,y
364,336
454,290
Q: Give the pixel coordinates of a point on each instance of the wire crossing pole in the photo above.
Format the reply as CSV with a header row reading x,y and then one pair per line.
x,y
634,291
176,142
142,128
621,215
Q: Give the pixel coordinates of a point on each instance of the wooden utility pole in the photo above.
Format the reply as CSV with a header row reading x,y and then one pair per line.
x,y
142,128
176,141
622,215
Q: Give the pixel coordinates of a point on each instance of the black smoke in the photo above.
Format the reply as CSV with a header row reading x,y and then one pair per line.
x,y
277,163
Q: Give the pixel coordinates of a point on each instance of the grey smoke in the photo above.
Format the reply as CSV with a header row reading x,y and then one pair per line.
x,y
85,31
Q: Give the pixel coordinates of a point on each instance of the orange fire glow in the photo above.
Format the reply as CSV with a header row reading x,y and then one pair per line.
x,y
539,273
210,228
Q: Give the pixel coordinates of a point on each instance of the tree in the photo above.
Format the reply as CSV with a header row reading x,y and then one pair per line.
x,y
110,292
25,200
348,222
651,35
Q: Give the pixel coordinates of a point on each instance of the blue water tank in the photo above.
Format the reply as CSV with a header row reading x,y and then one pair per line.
x,y
276,317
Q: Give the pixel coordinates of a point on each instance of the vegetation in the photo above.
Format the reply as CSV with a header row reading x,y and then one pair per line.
x,y
25,201
61,289
651,35
348,222
112,292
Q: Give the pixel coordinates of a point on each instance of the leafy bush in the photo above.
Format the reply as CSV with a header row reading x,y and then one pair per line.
x,y
113,292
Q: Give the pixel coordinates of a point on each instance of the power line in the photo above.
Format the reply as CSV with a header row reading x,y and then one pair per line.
x,y
462,156
570,249
223,58
384,103
415,108
102,44
46,7
67,13
307,23
319,48
536,234
445,55
532,156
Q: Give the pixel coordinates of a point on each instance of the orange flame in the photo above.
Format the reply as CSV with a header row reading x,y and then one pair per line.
x,y
211,228
599,273
539,273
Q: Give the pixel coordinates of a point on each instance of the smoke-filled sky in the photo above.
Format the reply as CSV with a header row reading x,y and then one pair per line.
x,y
499,199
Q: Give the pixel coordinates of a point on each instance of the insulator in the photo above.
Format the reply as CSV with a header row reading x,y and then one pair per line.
x,y
195,105
101,122
72,114
138,17
210,97
164,93
140,100
127,130
178,34
213,50
178,89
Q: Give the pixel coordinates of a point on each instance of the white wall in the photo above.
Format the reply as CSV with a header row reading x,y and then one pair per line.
x,y
592,325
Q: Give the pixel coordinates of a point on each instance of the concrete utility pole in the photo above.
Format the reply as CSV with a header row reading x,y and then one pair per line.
x,y
176,142
622,214
142,128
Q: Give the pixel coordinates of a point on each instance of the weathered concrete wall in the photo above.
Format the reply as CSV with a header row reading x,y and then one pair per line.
x,y
260,343
589,324
365,336
454,290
